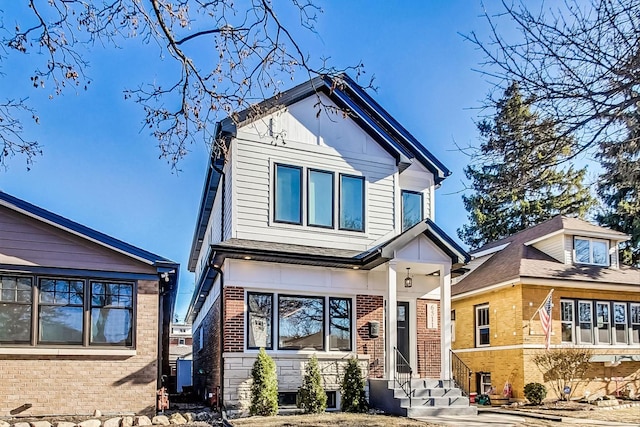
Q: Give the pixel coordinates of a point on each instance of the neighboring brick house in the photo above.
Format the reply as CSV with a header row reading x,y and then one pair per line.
x,y
308,229
83,317
595,304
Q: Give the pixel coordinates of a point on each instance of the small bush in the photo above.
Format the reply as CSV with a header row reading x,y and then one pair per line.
x,y
535,392
264,390
313,398
352,389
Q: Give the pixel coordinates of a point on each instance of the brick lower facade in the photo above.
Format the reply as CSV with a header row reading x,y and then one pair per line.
x,y
428,339
206,353
370,308
80,384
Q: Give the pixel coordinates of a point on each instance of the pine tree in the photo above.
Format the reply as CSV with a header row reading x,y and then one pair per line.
x,y
619,189
518,177
264,390
353,398
313,398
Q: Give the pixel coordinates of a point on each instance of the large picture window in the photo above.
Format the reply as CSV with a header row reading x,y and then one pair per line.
x,y
412,211
52,310
340,324
591,251
351,203
259,318
320,198
288,194
15,309
111,313
300,322
304,322
482,326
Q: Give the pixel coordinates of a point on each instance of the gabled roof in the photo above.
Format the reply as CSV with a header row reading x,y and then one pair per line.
x,y
325,257
84,232
346,94
515,257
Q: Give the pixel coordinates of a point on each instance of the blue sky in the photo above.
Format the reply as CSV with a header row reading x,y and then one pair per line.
x,y
101,168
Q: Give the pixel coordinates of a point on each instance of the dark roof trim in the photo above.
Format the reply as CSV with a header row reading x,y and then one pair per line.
x,y
74,272
80,230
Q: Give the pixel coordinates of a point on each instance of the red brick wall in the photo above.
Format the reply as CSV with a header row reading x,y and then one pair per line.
x,y
428,341
370,308
234,319
206,360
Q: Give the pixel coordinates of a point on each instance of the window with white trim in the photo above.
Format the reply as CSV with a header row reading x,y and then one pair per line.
x,y
635,323
585,322
603,325
482,326
591,251
566,318
620,323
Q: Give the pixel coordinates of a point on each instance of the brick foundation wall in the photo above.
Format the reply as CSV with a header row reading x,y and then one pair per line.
x,y
233,319
80,384
370,308
429,351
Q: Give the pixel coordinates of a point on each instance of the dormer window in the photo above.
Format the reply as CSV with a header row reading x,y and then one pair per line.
x,y
591,251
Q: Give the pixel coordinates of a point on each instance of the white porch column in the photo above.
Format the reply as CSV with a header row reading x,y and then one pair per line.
x,y
445,321
392,316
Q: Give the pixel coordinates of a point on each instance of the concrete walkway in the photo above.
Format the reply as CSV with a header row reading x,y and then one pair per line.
x,y
510,418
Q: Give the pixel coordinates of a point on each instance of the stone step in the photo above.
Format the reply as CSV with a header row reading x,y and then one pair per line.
x,y
428,392
424,383
424,411
435,402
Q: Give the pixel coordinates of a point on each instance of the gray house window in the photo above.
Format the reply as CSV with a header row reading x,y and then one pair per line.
x,y
351,203
320,198
412,212
15,309
288,194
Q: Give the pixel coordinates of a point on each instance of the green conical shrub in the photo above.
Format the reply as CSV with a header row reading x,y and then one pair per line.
x,y
352,389
313,398
264,390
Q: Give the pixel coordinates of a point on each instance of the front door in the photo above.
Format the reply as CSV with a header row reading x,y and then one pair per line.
x,y
403,337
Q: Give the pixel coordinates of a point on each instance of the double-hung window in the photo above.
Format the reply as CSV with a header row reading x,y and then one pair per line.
x,y
585,322
351,203
412,209
566,313
15,309
288,194
482,326
603,318
635,322
591,251
320,199
620,323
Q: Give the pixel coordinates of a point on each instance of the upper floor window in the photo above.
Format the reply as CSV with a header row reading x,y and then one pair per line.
x,y
320,200
591,251
67,311
482,326
352,203
412,211
288,194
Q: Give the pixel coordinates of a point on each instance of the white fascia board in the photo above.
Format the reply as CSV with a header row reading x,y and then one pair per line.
x,y
486,289
545,237
597,235
580,284
489,251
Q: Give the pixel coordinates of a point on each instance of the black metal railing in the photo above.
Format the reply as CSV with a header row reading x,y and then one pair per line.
x,y
402,374
460,373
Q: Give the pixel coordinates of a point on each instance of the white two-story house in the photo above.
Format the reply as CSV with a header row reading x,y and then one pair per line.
x,y
316,235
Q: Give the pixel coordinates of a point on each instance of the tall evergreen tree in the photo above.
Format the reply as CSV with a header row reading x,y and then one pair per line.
x,y
518,176
619,189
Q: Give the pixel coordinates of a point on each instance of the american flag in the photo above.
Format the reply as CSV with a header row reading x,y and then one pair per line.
x,y
545,319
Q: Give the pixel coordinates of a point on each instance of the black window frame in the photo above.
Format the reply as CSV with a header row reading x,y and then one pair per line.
x,y
323,331
333,198
417,193
28,304
130,309
340,227
247,326
82,306
275,194
350,319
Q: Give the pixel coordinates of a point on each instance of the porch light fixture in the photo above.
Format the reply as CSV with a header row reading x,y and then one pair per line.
x,y
408,281
435,273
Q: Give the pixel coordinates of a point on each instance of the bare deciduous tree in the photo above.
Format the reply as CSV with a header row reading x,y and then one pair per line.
x,y
564,367
230,54
578,63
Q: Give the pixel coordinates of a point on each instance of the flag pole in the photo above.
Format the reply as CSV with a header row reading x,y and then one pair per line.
x,y
543,301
